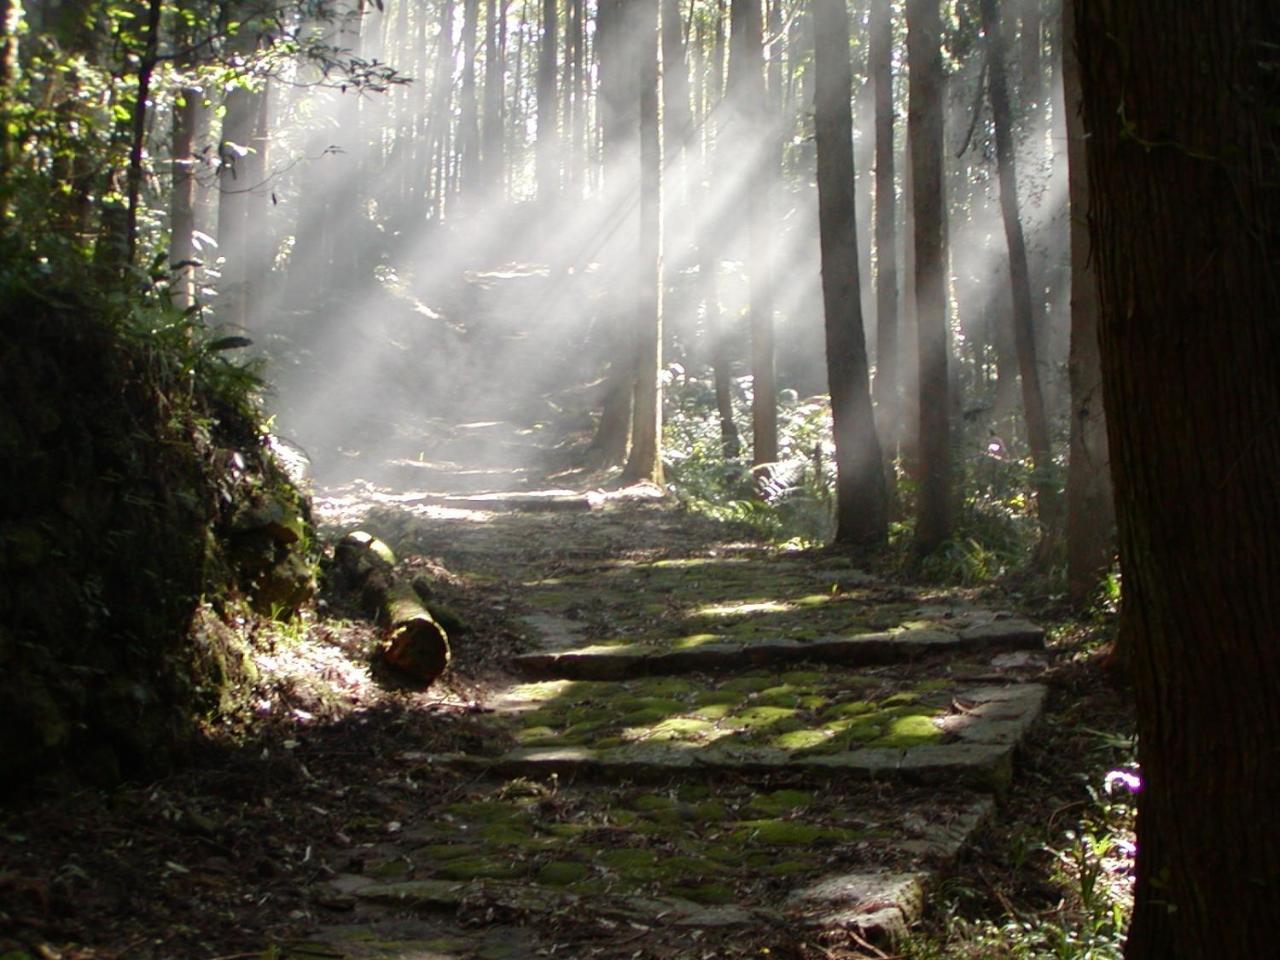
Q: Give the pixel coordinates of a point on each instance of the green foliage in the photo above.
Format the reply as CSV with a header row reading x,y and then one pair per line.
x,y
789,502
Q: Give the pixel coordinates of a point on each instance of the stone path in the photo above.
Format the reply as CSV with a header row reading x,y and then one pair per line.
x,y
707,747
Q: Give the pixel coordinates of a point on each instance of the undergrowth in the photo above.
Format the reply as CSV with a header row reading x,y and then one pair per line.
x,y
792,502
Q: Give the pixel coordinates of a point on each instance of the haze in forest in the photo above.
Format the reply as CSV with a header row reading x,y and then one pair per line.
x,y
423,263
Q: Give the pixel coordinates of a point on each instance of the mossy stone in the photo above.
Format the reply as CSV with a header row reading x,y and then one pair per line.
x,y
507,834
801,739
693,640
436,852
711,894
559,873
780,801
778,832
681,728
786,868
478,868
716,698
712,811
749,683
899,699
632,863
653,803
396,869
909,731
758,717
850,708
484,811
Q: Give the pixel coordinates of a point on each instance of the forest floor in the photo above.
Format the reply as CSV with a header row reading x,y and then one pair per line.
x,y
656,740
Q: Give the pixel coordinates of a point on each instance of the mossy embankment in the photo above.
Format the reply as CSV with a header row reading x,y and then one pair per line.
x,y
139,498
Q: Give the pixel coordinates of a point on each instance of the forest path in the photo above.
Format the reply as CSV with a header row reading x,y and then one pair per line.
x,y
701,748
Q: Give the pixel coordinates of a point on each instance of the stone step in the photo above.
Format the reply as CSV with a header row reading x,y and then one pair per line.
x,y
616,662
531,502
978,736
680,862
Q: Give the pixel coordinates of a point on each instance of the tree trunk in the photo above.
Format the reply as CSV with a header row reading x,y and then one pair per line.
x,y
1090,512
612,439
547,160
861,513
1184,204
886,385
1019,276
750,137
924,124
440,111
182,198
645,461
494,101
708,261
469,118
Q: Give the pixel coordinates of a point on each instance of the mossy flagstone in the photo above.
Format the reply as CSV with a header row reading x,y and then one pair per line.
x,y
781,801
563,872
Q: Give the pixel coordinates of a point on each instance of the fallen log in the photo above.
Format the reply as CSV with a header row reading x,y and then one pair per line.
x,y
415,645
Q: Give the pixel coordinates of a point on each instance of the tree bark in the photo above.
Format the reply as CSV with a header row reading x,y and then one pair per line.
x,y
861,511
182,199
645,460
469,119
612,439
1090,510
924,124
547,158
886,386
1183,144
494,101
1019,276
750,136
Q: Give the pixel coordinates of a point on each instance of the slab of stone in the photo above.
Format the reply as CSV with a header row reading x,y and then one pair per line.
x,y
988,725
878,907
539,501
412,940
528,898
870,649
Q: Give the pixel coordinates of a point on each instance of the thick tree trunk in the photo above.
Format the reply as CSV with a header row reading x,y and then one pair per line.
x,y
612,439
645,461
708,241
1019,275
861,513
1090,512
924,124
886,385
750,136
1182,154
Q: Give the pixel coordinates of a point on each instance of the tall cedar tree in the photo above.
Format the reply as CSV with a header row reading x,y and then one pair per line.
x,y
1183,145
613,433
1019,273
494,101
924,130
750,138
645,459
861,511
881,67
547,151
1090,510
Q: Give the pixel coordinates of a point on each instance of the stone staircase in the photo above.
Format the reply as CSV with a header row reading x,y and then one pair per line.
x,y
705,750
